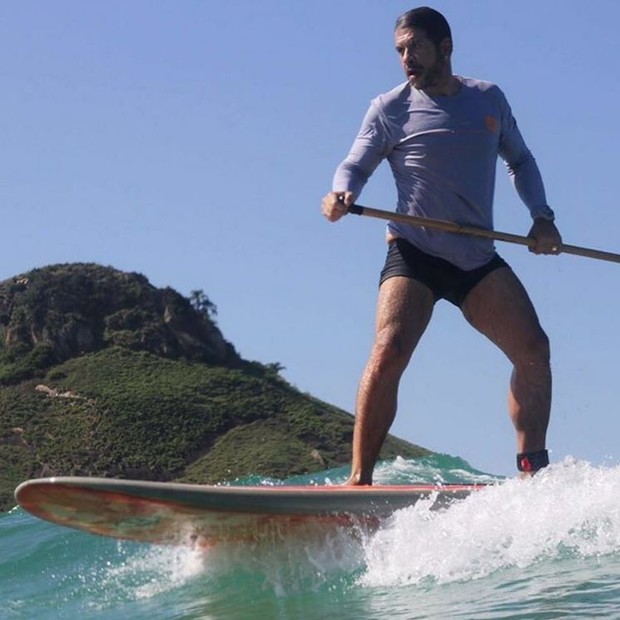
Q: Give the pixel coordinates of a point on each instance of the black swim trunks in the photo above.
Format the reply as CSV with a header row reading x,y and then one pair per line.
x,y
445,280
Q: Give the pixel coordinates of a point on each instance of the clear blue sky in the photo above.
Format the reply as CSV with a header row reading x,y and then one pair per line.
x,y
192,141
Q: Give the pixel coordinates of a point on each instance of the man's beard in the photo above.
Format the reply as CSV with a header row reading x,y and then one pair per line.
x,y
430,77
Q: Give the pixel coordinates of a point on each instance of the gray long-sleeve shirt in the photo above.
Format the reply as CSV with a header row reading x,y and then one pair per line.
x,y
443,153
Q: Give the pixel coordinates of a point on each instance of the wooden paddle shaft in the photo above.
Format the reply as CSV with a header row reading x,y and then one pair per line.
x,y
459,229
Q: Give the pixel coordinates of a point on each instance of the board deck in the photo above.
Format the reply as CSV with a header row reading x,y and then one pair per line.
x,y
177,513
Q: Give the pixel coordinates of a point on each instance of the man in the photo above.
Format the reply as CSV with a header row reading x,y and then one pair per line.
x,y
441,134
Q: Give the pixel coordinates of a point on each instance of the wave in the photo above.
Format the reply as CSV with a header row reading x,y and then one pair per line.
x,y
553,538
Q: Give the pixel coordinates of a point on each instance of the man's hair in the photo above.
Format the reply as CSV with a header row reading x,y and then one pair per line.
x,y
434,24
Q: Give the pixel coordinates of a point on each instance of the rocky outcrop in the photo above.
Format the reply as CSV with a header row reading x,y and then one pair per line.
x,y
68,310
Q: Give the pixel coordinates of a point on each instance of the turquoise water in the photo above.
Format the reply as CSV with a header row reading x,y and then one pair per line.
x,y
548,547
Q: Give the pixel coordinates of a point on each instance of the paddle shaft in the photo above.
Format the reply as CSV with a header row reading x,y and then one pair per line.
x,y
459,229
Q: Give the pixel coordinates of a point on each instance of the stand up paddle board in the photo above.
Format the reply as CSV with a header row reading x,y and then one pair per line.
x,y
177,513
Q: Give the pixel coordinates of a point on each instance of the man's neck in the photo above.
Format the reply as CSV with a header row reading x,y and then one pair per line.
x,y
447,87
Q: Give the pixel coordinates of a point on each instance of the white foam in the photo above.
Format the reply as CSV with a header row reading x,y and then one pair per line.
x,y
571,509
152,571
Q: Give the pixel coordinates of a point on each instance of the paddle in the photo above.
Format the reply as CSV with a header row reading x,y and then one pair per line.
x,y
453,227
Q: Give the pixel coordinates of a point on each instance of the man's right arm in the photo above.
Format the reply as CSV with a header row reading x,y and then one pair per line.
x,y
367,152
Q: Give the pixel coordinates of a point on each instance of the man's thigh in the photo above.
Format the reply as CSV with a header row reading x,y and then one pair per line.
x,y
404,309
500,308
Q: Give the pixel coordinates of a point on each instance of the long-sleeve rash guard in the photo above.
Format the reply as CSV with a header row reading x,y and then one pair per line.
x,y
443,153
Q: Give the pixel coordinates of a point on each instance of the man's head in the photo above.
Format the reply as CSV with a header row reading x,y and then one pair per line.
x,y
424,43
434,24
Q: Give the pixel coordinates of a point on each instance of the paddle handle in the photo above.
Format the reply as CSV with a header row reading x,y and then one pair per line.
x,y
460,229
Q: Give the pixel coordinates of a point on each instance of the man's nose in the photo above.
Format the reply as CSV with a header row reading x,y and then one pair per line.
x,y
408,57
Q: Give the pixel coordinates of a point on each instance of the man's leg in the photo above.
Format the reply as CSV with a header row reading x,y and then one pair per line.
x,y
404,309
500,308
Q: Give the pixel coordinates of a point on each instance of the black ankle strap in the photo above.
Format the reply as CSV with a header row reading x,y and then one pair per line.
x,y
532,461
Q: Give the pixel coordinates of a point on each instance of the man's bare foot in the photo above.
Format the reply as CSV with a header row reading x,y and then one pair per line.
x,y
357,480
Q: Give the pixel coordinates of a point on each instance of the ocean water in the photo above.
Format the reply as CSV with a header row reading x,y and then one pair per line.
x,y
547,547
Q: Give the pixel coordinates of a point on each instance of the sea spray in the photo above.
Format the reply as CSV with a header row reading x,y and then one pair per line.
x,y
294,563
569,510
152,571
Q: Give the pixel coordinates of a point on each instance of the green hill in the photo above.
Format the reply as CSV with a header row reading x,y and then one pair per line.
x,y
102,374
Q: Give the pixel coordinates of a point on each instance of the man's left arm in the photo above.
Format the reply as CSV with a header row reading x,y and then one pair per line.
x,y
527,180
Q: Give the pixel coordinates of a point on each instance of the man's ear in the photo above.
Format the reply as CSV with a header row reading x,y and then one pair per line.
x,y
445,47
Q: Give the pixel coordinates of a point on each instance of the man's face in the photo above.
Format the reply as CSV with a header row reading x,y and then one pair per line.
x,y
424,66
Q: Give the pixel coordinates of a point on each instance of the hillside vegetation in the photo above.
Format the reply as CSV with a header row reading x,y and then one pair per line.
x,y
102,374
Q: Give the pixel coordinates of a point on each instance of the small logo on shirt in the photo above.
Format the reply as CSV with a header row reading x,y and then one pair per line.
x,y
491,123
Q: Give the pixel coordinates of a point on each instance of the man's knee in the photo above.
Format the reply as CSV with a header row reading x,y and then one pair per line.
x,y
535,349
390,353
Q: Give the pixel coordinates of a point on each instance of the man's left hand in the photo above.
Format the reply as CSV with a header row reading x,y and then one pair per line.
x,y
546,236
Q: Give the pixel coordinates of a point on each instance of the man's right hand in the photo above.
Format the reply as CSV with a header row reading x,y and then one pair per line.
x,y
335,205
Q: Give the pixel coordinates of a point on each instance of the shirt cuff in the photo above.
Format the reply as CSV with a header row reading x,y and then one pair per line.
x,y
545,213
